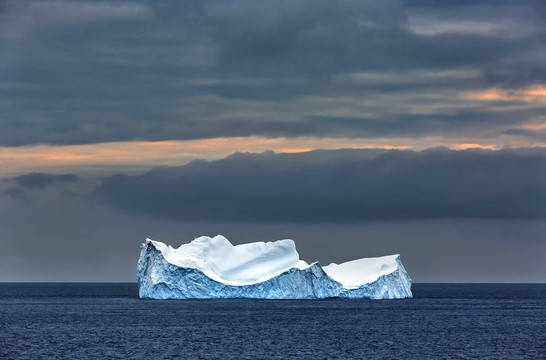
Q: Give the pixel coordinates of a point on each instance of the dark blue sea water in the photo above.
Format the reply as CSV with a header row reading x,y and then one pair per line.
x,y
108,321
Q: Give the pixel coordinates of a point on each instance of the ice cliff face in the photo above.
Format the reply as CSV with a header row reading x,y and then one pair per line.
x,y
213,268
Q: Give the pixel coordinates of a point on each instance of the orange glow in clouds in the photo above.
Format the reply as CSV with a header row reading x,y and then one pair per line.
x,y
473,146
137,156
492,95
528,95
140,155
538,91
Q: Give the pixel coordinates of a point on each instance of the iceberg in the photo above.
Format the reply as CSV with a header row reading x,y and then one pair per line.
x,y
213,268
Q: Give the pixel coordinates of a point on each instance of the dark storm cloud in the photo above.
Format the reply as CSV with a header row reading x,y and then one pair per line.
x,y
74,72
539,135
15,193
513,75
330,38
340,186
42,181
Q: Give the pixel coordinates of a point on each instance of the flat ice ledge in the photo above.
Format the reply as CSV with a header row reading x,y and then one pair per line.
x,y
214,268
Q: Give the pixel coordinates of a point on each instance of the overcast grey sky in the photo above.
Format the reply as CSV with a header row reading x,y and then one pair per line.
x,y
126,119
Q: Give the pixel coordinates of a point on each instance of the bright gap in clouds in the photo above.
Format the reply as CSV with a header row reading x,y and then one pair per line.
x,y
135,156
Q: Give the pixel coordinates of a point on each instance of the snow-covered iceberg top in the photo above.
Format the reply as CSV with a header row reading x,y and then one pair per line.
x,y
214,268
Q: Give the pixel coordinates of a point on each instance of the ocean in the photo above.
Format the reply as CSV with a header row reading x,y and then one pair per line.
x,y
108,321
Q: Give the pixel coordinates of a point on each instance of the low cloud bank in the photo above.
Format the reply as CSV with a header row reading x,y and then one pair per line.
x,y
340,186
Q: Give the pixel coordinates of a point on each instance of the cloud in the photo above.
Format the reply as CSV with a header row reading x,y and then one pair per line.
x,y
108,158
539,134
345,186
166,70
321,38
42,181
15,193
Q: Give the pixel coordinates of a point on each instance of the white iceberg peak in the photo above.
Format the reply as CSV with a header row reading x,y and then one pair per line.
x,y
243,264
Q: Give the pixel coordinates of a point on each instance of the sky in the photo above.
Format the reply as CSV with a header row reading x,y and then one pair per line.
x,y
356,128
